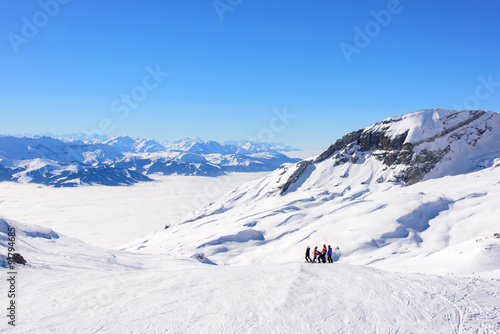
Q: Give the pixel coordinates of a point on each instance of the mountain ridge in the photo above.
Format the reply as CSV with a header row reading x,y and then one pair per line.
x,y
125,160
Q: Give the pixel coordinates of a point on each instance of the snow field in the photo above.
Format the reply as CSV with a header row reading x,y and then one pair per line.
x,y
162,295
429,227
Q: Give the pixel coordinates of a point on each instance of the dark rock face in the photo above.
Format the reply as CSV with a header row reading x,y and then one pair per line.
x,y
421,165
17,258
301,167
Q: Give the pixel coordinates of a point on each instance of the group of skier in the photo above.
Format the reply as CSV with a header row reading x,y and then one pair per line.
x,y
326,253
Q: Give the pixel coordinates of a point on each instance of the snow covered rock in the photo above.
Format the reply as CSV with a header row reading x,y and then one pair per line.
x,y
202,258
43,247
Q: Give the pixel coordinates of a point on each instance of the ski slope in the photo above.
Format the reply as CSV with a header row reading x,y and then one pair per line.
x,y
158,294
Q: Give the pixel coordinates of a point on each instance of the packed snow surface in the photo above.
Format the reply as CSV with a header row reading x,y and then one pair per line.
x,y
160,295
71,287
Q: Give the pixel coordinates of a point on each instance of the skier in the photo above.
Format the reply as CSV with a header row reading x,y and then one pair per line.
x,y
308,251
329,253
317,255
323,254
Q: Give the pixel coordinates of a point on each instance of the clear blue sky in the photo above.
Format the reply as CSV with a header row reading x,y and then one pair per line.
x,y
227,77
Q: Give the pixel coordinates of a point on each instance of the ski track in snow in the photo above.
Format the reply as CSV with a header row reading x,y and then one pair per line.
x,y
162,295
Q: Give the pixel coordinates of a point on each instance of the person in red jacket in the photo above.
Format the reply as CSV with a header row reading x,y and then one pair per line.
x,y
317,255
323,254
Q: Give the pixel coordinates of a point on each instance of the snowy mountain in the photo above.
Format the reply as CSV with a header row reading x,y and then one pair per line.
x,y
414,191
124,160
62,164
255,147
198,146
15,148
137,145
425,144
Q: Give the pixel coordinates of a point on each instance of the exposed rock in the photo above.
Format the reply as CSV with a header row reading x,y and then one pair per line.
x,y
17,258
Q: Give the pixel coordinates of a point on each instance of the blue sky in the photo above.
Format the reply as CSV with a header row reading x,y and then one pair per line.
x,y
301,72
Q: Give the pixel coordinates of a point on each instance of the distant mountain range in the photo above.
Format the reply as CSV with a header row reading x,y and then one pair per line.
x,y
74,160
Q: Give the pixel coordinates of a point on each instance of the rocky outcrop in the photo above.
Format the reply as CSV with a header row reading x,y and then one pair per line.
x,y
301,167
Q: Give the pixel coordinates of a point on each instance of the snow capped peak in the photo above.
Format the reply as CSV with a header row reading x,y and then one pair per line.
x,y
424,124
136,145
418,145
55,149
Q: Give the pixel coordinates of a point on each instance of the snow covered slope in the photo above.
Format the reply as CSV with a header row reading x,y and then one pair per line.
x,y
43,248
362,195
15,148
70,287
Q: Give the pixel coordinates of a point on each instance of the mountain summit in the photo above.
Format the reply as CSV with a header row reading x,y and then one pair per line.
x,y
406,149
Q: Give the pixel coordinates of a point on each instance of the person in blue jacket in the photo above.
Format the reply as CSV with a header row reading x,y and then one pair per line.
x,y
329,253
